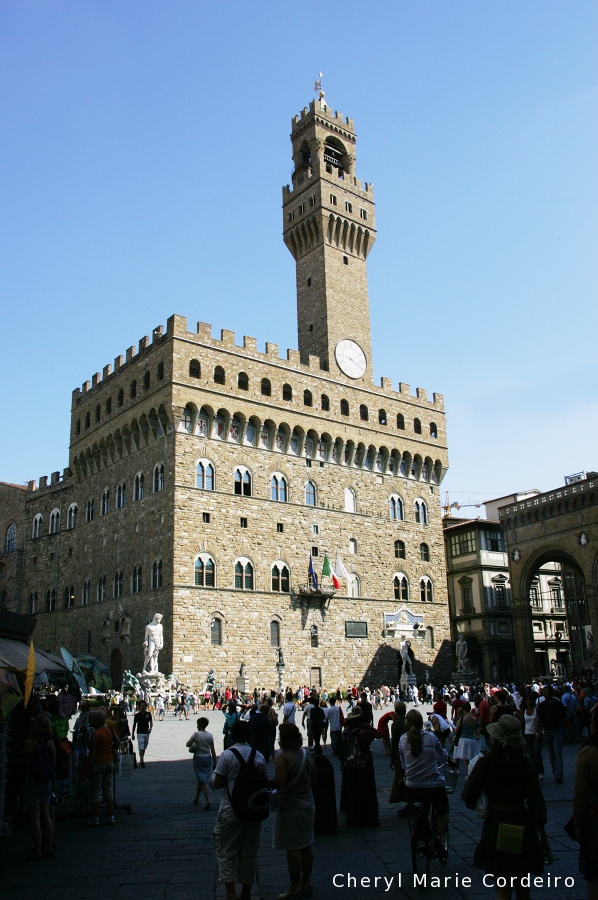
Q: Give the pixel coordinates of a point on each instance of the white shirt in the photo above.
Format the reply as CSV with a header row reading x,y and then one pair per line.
x,y
204,741
530,722
288,712
333,717
229,767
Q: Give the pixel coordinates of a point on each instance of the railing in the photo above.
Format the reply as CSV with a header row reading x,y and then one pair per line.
x,y
579,487
307,590
467,610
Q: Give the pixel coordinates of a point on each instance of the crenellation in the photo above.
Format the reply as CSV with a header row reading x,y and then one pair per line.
x,y
227,337
404,389
204,331
177,325
421,394
294,358
43,481
85,387
95,379
386,384
106,372
54,477
271,350
313,361
130,353
143,343
438,400
157,334
118,363
32,485
250,344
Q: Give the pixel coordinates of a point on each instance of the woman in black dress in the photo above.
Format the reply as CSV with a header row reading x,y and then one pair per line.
x,y
358,788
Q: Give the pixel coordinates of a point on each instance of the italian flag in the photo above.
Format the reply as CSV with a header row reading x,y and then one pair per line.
x,y
327,570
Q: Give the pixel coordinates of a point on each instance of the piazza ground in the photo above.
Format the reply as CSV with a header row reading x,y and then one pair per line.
x,y
163,849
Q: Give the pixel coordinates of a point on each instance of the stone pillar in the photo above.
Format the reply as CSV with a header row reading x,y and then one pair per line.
x,y
524,636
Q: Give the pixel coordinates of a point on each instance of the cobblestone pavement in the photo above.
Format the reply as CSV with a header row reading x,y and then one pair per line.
x,y
163,849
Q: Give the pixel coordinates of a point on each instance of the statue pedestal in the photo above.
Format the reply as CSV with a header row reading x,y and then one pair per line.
x,y
407,681
152,681
465,677
243,684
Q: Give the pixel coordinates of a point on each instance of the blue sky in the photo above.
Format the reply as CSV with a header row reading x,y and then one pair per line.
x,y
143,150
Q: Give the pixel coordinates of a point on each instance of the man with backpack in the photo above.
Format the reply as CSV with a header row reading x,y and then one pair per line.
x,y
241,770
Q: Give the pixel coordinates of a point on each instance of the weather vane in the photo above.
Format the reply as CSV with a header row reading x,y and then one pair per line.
x,y
318,88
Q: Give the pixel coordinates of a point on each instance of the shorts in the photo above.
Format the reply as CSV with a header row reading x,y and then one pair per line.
x,y
36,793
100,778
437,795
142,741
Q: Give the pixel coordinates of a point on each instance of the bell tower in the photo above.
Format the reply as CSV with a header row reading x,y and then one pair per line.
x,y
330,228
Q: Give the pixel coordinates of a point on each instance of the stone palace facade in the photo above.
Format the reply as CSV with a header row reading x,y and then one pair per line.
x,y
202,475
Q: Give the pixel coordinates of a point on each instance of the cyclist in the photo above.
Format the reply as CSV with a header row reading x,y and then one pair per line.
x,y
421,755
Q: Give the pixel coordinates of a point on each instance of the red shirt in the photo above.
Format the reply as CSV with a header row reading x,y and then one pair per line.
x,y
354,692
484,710
384,724
440,708
457,704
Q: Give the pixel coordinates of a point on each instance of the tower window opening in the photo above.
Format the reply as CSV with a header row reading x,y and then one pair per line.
x,y
301,207
333,199
218,375
311,326
287,392
401,421
344,407
382,416
243,381
194,369
312,200
325,403
363,413
309,282
307,398
346,260
417,426
363,214
348,206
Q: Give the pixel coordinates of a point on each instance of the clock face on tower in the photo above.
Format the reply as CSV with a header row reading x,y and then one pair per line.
x,y
350,358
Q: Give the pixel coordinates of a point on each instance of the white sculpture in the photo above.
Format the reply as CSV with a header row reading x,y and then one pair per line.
x,y
153,643
461,651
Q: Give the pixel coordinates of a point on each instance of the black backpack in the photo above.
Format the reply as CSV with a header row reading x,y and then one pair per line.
x,y
250,799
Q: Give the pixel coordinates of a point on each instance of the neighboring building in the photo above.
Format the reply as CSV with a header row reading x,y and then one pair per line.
x,y
479,593
559,527
203,474
12,532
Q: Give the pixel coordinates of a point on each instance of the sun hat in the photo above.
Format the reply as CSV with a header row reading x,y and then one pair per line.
x,y
507,731
354,714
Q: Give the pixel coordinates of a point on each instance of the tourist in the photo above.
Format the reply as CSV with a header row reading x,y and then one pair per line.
x,y
289,709
142,722
317,720
260,731
384,723
585,807
528,717
295,810
421,755
515,798
204,758
439,706
335,720
466,745
39,756
236,842
358,788
160,707
551,724
231,715
103,747
366,708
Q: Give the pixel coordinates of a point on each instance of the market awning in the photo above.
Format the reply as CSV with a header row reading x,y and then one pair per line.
x,y
14,654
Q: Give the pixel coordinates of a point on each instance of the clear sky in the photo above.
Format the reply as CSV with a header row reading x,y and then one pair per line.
x,y
143,150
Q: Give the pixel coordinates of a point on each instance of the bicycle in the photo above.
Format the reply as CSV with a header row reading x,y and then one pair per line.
x,y
422,829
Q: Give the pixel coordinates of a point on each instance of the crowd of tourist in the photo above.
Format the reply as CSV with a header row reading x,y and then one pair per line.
x,y
502,736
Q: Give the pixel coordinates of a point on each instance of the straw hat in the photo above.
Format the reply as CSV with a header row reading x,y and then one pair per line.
x,y
507,731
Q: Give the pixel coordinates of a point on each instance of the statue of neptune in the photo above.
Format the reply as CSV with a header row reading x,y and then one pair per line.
x,y
152,645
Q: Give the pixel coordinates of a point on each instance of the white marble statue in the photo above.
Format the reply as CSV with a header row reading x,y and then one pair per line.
x,y
153,643
461,651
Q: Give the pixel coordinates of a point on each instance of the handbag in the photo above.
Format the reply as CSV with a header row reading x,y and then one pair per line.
x,y
193,748
274,793
510,838
126,765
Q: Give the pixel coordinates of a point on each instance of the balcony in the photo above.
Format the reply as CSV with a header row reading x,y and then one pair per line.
x,y
307,590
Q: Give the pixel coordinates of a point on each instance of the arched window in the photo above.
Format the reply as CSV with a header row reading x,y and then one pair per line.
x,y
278,488
71,521
433,430
400,549
325,403
216,632
266,387
421,512
36,530
160,374
118,583
87,419
243,575
133,389
69,597
382,416
89,510
310,494
344,407
187,419
350,504
425,590
157,574
108,405
147,380
417,426
307,398
121,495
275,634
204,475
243,381
363,413
401,587
121,397
98,412
219,375
280,578
159,477
243,482
352,546
51,600
287,392
430,637
354,586
424,552
234,430
396,507
54,522
194,369
105,502
139,486
313,636
101,592
401,421
86,592
137,581
205,571
78,426
32,603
